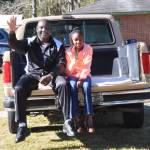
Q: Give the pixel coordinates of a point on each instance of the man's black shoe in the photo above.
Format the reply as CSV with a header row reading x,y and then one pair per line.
x,y
67,128
22,133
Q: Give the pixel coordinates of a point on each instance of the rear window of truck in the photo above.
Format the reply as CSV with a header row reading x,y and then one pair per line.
x,y
96,32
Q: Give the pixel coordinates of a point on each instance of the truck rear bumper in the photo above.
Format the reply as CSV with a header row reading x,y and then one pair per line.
x,y
101,99
43,103
124,102
122,97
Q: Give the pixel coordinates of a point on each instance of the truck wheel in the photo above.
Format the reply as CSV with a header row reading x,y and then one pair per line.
x,y
134,119
11,122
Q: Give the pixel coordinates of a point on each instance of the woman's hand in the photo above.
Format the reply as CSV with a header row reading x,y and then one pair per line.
x,y
12,24
45,80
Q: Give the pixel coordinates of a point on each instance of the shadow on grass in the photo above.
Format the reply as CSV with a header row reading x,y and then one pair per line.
x,y
46,128
110,133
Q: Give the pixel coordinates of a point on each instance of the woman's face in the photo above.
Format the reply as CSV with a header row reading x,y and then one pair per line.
x,y
77,40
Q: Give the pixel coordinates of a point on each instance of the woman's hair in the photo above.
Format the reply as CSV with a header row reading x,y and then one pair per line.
x,y
74,30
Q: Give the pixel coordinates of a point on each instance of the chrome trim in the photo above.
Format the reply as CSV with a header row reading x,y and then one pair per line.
x,y
34,109
126,92
41,108
41,97
123,102
9,109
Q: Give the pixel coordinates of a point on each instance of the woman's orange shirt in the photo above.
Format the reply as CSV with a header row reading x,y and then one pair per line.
x,y
79,67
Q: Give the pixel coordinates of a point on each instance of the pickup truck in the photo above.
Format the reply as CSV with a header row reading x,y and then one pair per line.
x,y
120,69
3,45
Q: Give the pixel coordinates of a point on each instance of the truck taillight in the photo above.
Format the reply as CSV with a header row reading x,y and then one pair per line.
x,y
146,63
6,72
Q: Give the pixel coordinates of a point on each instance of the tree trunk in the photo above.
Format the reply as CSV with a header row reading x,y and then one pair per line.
x,y
34,8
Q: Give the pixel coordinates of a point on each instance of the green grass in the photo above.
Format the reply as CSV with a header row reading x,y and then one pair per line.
x,y
110,135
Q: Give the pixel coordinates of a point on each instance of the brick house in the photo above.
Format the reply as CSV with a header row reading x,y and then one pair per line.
x,y
132,15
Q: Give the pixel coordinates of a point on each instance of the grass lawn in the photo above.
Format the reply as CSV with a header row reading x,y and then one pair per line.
x,y
110,135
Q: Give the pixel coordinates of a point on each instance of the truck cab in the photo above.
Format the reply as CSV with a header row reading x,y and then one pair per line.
x,y
120,69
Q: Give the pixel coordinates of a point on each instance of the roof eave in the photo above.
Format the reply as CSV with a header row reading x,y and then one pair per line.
x,y
116,13
130,13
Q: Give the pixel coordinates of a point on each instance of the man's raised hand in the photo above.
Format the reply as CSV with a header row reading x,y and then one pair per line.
x,y
12,24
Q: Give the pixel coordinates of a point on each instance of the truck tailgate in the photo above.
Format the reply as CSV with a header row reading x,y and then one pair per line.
x,y
47,91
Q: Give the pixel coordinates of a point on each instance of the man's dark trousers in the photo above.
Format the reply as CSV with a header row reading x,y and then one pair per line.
x,y
27,83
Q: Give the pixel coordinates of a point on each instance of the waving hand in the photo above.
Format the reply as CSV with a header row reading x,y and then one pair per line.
x,y
12,24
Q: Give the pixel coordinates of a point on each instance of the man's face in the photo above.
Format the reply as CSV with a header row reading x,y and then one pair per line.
x,y
43,31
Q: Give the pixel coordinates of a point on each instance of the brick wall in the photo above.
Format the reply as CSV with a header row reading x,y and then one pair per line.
x,y
136,27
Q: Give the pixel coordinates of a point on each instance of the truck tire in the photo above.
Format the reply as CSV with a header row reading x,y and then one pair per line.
x,y
134,119
11,122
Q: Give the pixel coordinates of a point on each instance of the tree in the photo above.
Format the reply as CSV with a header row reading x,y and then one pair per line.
x,y
16,7
57,7
32,8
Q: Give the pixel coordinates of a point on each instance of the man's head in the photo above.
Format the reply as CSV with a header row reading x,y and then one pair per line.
x,y
43,30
